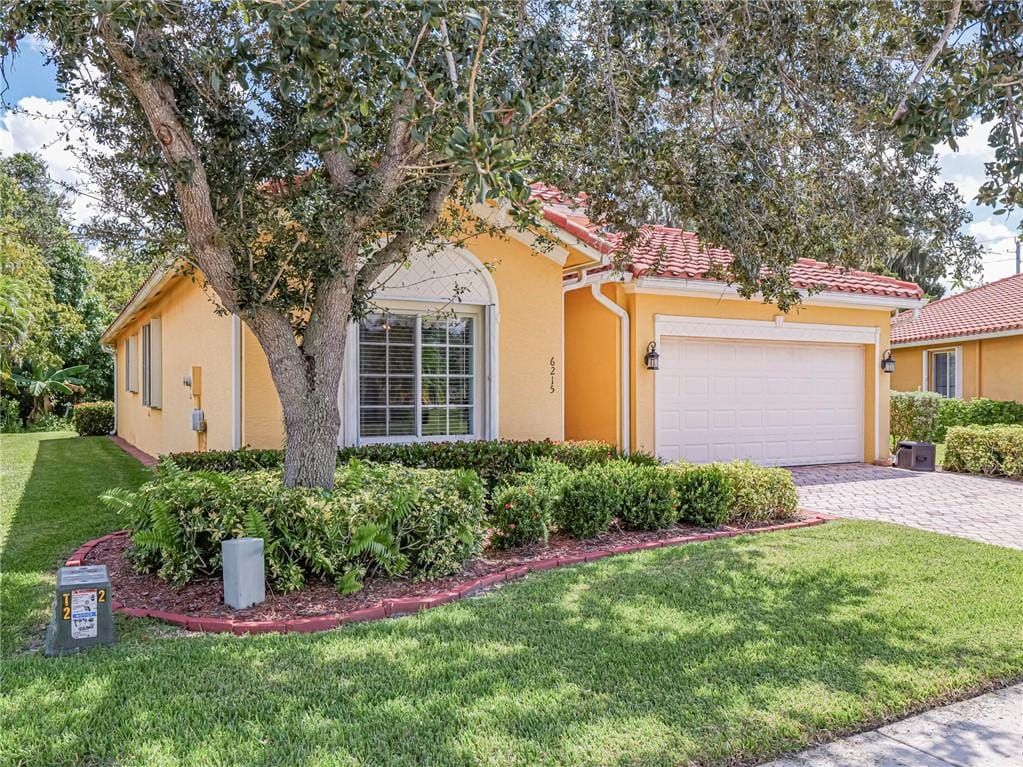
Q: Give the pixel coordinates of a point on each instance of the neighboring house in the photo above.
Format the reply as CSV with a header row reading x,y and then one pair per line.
x,y
543,345
967,345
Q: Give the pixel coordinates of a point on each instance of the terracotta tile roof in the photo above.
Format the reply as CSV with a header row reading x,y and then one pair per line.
x,y
664,251
991,308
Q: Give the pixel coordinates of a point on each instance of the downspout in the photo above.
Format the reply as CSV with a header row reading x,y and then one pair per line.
x,y
623,324
236,382
113,352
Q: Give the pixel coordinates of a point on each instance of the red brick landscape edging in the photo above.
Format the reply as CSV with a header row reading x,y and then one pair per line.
x,y
390,608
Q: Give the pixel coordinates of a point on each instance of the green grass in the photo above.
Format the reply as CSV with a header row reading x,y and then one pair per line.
x,y
49,482
718,653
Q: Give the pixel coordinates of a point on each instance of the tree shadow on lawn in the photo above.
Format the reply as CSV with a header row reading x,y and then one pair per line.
x,y
59,509
707,654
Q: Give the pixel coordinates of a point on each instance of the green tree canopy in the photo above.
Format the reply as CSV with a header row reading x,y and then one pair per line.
x,y
293,151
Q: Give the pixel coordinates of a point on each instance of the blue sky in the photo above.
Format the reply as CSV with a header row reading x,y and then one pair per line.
x,y
31,85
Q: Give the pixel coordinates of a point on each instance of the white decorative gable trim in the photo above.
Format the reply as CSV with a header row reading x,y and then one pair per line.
x,y
449,275
763,330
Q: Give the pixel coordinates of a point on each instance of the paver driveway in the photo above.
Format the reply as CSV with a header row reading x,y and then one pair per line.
x,y
981,508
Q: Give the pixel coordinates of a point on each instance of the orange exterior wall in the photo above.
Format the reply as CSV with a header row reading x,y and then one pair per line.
x,y
182,307
992,367
592,369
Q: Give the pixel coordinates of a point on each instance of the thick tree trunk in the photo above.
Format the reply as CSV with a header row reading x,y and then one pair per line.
x,y
311,426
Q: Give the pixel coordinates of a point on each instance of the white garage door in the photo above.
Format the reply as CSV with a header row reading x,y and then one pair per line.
x,y
779,404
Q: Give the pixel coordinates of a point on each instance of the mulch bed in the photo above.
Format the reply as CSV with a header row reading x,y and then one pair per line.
x,y
318,605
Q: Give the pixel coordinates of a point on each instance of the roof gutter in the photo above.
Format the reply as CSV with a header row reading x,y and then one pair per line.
x,y
717,289
153,283
955,339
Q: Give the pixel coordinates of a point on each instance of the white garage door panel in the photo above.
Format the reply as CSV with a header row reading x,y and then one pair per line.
x,y
773,403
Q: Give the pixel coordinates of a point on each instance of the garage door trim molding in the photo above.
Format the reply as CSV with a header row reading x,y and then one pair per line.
x,y
762,330
778,330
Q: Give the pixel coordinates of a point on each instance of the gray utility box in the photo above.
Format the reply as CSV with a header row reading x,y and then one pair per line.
x,y
82,614
918,456
244,572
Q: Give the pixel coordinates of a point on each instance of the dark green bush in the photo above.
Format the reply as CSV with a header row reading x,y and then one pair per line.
x,y
992,450
10,416
759,493
980,411
591,499
389,519
93,419
650,501
495,461
705,494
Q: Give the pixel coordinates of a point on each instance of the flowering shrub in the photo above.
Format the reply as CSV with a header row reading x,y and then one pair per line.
x,y
519,516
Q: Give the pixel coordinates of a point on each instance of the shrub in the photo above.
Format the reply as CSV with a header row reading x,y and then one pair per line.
x,y
93,419
978,411
992,450
589,500
650,500
705,494
519,516
914,415
395,520
495,461
759,493
10,416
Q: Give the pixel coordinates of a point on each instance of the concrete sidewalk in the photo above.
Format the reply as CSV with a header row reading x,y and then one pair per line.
x,y
981,732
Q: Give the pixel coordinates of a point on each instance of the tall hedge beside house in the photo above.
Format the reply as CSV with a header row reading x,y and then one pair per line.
x,y
979,411
915,415
991,450
93,419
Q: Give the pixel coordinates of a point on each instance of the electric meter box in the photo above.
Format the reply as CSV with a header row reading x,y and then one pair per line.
x,y
82,612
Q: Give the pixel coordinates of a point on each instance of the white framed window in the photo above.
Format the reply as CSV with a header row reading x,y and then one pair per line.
x,y
152,364
420,375
943,372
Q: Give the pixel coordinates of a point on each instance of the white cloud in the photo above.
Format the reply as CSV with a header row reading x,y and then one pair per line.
x,y
999,243
40,126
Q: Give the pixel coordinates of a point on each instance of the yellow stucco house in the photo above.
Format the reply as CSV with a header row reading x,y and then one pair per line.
x,y
967,345
542,345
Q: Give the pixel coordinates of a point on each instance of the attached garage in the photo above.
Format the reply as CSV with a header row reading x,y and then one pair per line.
x,y
776,393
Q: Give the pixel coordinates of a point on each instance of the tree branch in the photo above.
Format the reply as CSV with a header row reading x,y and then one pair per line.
x,y
950,23
156,98
400,243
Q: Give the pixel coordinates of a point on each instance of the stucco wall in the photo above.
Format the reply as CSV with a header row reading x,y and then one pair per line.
x,y
530,338
644,307
182,308
992,367
592,363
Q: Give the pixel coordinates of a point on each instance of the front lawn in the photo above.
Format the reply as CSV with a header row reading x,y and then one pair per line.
x,y
49,482
715,653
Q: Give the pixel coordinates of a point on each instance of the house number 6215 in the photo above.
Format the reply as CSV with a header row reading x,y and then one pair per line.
x,y
554,369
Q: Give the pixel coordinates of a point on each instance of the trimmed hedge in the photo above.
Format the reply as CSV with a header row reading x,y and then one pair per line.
x,y
915,415
979,411
991,450
927,416
93,419
651,499
495,461
705,494
760,493
416,522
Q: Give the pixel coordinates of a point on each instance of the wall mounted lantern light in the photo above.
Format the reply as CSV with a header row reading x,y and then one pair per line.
x,y
652,358
888,362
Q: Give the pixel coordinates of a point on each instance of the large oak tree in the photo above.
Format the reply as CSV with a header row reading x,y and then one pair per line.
x,y
292,151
